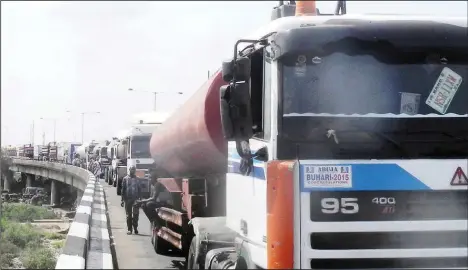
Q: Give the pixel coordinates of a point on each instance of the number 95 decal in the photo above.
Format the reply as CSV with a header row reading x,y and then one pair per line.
x,y
343,205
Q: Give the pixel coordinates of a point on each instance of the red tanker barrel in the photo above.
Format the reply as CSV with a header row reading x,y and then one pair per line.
x,y
190,143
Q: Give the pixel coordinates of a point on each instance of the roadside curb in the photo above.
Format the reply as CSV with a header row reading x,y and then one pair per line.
x,y
75,250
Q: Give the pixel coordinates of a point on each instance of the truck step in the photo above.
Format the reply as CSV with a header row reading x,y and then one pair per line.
x,y
170,236
171,215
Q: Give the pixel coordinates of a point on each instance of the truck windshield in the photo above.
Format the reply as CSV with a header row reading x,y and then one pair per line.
x,y
139,146
375,95
104,152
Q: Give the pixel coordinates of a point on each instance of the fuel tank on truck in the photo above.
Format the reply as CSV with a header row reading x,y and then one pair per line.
x,y
81,150
190,143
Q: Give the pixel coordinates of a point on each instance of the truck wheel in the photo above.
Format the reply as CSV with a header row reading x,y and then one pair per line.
x,y
106,179
111,178
119,186
193,253
153,235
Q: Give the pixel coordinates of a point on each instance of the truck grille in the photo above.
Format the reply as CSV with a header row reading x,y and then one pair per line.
x,y
140,166
389,240
390,263
424,229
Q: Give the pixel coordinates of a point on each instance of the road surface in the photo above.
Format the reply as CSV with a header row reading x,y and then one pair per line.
x,y
135,251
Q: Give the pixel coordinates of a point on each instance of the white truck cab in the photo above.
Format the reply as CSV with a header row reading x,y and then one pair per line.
x,y
132,148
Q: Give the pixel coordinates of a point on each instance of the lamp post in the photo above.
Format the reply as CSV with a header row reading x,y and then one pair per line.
x,y
82,122
155,93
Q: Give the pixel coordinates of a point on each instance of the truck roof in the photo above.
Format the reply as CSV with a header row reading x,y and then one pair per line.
x,y
292,22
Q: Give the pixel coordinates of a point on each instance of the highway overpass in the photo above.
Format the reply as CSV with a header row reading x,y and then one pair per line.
x,y
87,245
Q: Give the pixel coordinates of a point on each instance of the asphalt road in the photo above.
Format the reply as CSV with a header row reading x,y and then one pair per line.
x,y
135,251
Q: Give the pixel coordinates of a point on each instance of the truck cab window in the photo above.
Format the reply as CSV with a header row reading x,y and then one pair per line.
x,y
266,98
257,93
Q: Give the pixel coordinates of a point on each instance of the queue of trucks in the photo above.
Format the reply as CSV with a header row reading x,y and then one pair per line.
x,y
53,151
293,155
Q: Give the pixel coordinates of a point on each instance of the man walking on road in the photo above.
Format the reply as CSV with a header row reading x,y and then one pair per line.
x,y
131,193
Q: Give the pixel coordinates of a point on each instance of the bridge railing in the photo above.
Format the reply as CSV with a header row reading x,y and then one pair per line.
x,y
87,245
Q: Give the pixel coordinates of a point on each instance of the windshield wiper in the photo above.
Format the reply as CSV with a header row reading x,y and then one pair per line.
x,y
336,134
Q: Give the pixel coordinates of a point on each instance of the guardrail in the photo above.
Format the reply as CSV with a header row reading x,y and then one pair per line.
x,y
87,245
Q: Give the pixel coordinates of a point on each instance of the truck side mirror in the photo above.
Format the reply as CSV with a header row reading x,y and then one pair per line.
x,y
240,70
236,111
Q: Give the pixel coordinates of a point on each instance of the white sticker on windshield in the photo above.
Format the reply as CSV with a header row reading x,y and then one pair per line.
x,y
444,90
409,103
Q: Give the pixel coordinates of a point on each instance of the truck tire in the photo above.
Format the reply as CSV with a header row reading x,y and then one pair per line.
x,y
107,175
119,186
193,253
244,260
111,178
153,235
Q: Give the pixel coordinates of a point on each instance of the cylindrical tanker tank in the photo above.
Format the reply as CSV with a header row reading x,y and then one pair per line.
x,y
190,143
121,151
81,150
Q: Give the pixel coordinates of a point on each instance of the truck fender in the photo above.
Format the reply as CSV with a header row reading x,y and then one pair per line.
x,y
210,233
211,225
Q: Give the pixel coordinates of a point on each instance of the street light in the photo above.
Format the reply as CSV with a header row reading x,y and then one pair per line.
x,y
82,122
155,94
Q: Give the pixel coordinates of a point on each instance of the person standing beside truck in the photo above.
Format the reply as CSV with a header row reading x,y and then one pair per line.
x,y
76,161
131,193
150,205
96,166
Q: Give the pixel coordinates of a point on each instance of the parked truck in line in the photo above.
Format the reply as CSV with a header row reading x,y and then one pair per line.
x,y
26,151
71,150
52,151
11,151
132,149
326,142
101,154
86,151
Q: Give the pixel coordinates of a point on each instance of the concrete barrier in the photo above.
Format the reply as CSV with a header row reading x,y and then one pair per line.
x,y
87,245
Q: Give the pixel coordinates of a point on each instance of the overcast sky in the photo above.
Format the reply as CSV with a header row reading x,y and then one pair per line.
x,y
83,56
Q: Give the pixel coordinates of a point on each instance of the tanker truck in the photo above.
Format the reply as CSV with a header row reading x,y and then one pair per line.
x,y
119,159
86,152
103,157
109,169
132,149
310,148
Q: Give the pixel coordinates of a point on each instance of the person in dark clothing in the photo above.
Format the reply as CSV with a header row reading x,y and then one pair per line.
x,y
150,205
131,194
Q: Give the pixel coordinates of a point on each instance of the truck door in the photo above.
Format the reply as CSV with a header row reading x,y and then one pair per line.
x,y
261,114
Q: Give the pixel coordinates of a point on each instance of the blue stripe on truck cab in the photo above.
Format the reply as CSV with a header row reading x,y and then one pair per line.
x,y
258,170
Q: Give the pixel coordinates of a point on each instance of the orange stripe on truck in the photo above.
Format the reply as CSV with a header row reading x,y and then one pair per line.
x,y
280,219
